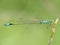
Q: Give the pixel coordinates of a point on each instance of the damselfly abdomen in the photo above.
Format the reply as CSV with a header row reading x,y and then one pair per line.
x,y
8,24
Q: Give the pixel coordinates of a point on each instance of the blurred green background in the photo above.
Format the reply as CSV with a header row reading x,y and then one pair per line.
x,y
18,11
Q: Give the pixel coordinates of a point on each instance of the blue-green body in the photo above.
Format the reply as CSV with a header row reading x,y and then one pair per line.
x,y
41,22
7,24
45,22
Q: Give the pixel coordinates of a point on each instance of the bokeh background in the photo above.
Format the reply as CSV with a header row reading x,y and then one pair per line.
x,y
22,11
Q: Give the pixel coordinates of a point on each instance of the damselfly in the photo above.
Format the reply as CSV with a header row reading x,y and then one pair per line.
x,y
49,22
41,22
